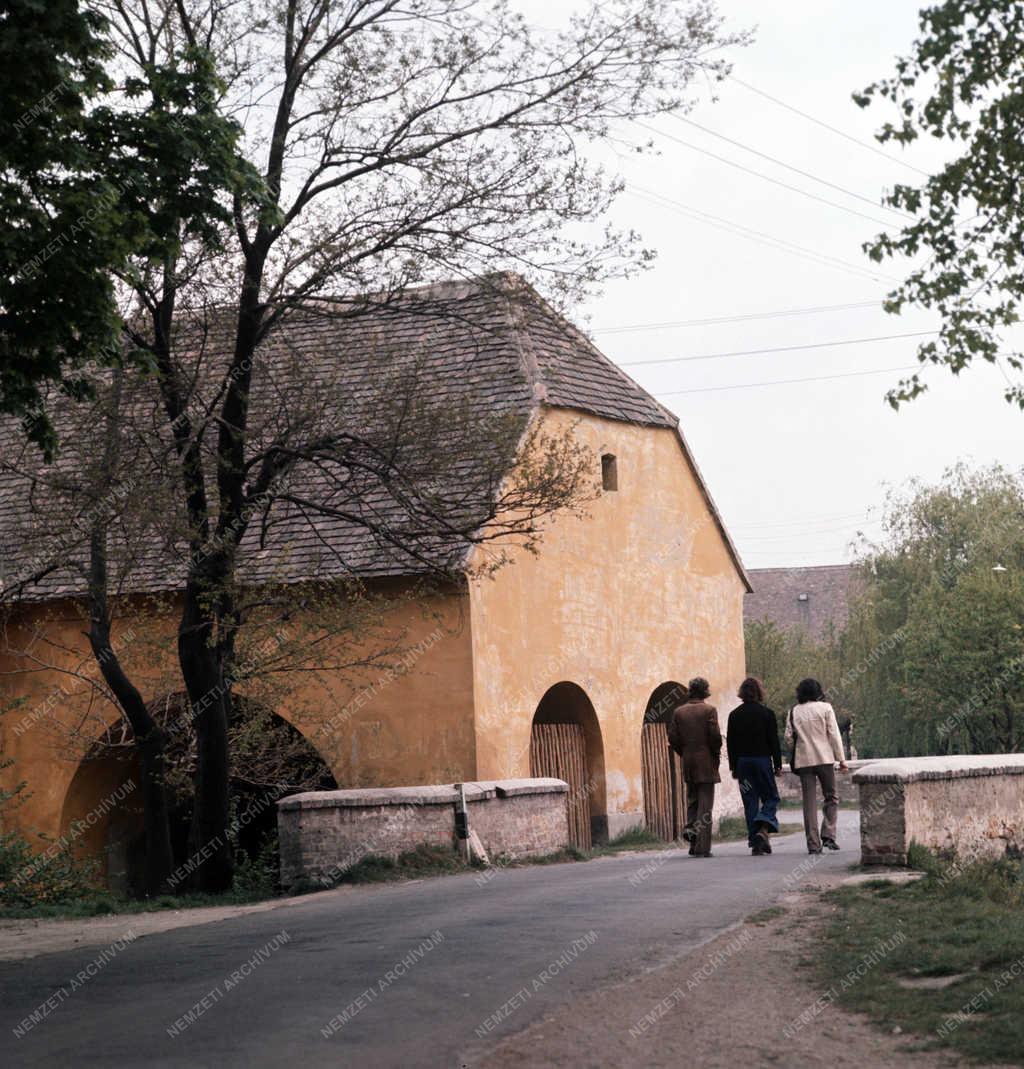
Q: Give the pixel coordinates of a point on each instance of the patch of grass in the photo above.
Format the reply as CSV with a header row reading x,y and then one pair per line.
x,y
766,916
636,838
425,860
734,829
959,920
103,903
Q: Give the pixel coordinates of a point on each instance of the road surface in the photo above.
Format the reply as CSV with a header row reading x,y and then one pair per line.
x,y
401,975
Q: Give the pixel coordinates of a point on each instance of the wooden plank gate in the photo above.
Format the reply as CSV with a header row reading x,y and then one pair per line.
x,y
662,774
560,750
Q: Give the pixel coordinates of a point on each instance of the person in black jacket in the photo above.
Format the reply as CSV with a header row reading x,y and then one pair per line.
x,y
755,759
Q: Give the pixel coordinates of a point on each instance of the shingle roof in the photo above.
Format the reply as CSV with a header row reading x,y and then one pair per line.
x,y
491,346
777,597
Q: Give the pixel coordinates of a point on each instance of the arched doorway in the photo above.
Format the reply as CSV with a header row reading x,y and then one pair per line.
x,y
269,759
565,742
102,813
661,769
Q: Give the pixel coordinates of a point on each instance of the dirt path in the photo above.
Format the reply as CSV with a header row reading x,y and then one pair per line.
x,y
735,1002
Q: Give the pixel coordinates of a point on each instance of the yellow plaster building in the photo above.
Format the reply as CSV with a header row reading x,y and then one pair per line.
x,y
561,663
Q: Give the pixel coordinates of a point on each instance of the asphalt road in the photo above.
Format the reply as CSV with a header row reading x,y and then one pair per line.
x,y
403,975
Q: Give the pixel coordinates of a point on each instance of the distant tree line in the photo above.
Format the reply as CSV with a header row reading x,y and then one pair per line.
x,y
931,658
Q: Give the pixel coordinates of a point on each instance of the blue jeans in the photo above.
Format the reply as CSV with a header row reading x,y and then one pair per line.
x,y
759,793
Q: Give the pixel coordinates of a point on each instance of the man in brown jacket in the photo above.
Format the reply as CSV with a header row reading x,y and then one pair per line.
x,y
694,734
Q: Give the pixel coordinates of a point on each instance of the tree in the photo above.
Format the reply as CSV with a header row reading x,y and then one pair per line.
x,y
935,641
384,145
395,144
961,84
781,657
90,184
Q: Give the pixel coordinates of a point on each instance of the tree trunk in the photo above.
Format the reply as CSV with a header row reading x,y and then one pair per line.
x,y
209,697
150,740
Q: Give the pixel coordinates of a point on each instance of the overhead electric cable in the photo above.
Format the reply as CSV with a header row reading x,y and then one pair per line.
x,y
776,349
788,166
787,382
828,126
801,522
766,177
779,244
742,317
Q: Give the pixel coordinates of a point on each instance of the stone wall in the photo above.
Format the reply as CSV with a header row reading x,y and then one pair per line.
x,y
789,783
322,833
972,807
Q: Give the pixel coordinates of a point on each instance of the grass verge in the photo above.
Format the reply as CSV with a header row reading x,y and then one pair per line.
x,y
102,903
942,958
733,829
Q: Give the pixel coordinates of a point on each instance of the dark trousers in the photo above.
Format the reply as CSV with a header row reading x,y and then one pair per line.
x,y
700,800
810,777
760,795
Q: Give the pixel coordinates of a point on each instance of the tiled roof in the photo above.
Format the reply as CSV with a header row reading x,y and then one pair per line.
x,y
807,598
488,346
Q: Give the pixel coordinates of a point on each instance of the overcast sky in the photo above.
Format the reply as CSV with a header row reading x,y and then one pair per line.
x,y
796,469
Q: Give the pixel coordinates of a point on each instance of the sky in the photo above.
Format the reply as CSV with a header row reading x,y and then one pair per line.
x,y
798,470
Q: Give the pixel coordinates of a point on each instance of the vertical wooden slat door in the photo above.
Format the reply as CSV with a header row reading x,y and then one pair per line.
x,y
656,771
678,794
560,750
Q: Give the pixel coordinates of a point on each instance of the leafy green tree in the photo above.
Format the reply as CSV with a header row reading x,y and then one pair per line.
x,y
965,663
781,657
961,84
934,648
62,228
100,180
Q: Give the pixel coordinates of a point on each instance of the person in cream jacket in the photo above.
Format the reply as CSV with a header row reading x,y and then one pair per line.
x,y
812,723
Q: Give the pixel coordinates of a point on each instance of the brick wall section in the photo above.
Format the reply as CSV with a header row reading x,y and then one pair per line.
x,y
971,807
322,833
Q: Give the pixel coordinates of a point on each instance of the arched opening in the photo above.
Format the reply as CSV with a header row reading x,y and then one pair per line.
x,y
661,769
102,814
270,758
565,742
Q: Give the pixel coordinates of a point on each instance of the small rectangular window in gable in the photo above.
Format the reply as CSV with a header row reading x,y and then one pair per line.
x,y
609,472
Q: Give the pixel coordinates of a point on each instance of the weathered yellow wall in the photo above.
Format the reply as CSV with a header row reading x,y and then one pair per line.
x,y
641,592
407,720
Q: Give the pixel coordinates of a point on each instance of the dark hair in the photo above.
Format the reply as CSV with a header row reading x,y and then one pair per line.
x,y
751,690
809,690
699,688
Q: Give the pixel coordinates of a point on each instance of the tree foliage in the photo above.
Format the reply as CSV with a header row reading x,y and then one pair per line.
x,y
99,176
939,627
962,83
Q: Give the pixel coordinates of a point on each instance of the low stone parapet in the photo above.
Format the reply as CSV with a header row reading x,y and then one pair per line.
x,y
322,833
972,807
789,783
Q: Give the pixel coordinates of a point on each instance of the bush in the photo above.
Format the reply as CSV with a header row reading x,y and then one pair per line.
x,y
38,874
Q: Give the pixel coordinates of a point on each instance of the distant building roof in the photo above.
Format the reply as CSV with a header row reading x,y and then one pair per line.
x,y
808,598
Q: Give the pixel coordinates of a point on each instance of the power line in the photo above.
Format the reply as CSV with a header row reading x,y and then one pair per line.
x,y
788,166
801,522
834,129
782,536
742,317
761,174
776,349
787,382
779,244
